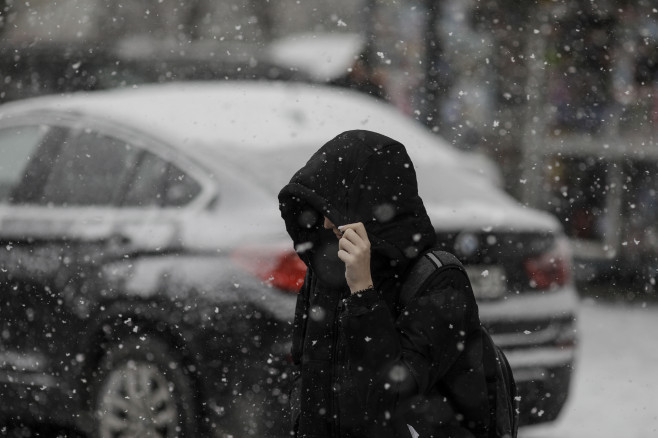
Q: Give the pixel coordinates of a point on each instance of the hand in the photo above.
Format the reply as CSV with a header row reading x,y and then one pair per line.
x,y
354,251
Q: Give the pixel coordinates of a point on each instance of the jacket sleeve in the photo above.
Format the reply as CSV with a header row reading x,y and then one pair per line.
x,y
393,361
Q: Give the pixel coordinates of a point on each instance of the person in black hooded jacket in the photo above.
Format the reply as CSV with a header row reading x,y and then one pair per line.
x,y
366,366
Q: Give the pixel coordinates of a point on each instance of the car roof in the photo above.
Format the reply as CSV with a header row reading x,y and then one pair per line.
x,y
251,115
246,123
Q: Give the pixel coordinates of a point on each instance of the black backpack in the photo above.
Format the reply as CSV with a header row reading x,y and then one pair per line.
x,y
502,392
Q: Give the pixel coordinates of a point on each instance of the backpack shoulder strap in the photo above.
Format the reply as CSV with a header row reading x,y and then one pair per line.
x,y
424,269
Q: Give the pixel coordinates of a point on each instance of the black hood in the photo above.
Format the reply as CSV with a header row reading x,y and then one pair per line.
x,y
359,176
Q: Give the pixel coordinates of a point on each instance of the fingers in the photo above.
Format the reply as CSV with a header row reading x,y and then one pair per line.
x,y
349,252
352,246
357,228
354,251
348,245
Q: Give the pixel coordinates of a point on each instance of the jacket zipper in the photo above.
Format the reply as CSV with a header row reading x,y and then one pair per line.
x,y
335,370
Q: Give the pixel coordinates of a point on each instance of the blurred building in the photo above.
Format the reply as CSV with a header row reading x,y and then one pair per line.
x,y
562,94
590,152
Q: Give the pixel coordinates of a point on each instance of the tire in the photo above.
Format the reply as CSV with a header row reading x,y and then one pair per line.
x,y
143,391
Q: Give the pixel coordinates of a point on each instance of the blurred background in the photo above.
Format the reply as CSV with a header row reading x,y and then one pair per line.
x,y
559,95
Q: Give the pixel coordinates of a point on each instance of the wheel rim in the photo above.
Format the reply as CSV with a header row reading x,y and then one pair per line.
x,y
137,400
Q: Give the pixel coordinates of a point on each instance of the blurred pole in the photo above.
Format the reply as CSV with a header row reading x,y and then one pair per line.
x,y
369,15
535,121
435,83
262,10
192,19
110,23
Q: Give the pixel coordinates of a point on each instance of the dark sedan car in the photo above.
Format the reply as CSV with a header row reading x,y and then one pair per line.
x,y
147,284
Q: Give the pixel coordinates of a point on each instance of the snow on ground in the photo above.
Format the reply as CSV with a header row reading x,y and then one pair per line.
x,y
615,390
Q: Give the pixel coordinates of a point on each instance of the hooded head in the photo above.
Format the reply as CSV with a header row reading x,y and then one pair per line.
x,y
358,176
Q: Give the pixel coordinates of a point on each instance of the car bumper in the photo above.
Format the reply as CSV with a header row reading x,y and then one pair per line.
x,y
543,393
537,331
543,376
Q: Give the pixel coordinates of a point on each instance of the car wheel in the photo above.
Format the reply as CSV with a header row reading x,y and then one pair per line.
x,y
143,391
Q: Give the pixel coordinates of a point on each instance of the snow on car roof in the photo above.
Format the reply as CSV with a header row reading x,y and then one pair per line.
x,y
268,129
251,115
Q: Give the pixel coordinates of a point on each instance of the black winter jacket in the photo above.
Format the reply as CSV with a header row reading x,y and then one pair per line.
x,y
366,366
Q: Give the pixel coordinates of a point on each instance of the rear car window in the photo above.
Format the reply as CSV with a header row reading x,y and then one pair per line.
x,y
181,188
148,184
157,182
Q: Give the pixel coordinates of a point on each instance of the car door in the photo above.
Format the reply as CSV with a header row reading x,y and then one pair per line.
x,y
57,229
24,269
75,199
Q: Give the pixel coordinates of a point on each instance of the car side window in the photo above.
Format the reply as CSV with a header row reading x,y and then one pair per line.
x,y
19,148
157,182
90,170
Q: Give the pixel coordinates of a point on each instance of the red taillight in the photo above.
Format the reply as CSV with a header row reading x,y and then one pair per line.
x,y
278,267
551,269
288,273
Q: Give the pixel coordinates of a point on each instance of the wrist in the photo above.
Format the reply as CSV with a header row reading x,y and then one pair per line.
x,y
362,289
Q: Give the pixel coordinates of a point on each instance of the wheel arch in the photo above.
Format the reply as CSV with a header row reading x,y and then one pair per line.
x,y
123,321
